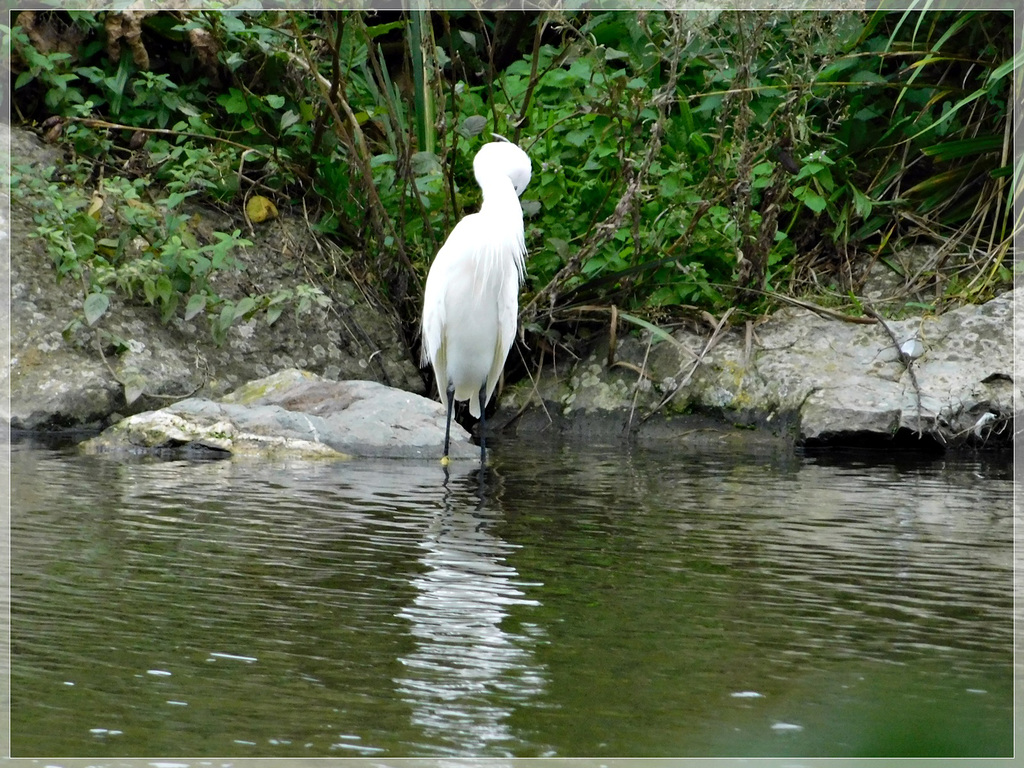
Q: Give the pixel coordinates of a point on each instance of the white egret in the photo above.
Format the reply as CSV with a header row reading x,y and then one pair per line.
x,y
471,300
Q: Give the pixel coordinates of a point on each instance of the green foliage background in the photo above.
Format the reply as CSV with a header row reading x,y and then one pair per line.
x,y
682,161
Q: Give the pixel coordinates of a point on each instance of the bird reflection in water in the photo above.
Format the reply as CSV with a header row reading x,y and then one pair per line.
x,y
469,671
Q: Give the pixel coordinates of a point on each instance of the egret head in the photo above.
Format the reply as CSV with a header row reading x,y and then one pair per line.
x,y
505,159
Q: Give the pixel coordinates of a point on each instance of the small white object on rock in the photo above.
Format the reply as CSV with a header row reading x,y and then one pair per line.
x,y
912,348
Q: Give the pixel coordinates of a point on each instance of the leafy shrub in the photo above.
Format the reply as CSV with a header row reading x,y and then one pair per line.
x,y
682,160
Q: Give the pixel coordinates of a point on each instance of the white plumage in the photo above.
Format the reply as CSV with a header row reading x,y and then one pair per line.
x,y
471,300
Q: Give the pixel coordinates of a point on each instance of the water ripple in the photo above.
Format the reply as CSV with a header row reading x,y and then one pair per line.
x,y
598,602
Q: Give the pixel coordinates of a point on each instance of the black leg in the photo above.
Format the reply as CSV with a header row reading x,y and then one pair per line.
x,y
483,425
450,395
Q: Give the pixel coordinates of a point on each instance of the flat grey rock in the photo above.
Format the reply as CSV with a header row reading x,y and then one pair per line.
x,y
294,413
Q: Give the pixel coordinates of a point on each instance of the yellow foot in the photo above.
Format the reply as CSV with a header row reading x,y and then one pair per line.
x,y
445,461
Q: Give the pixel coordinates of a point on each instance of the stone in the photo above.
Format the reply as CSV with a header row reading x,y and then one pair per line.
x,y
296,414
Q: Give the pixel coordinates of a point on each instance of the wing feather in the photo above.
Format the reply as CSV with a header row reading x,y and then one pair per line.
x,y
472,291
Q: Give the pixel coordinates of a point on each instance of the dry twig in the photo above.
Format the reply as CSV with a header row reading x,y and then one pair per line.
x,y
905,359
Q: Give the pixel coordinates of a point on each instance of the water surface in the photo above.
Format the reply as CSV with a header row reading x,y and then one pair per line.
x,y
597,601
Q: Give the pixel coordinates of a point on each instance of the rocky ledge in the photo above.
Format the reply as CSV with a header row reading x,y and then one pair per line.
x,y
927,381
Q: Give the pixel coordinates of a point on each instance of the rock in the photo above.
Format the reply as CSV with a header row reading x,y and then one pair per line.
x,y
293,413
805,378
890,284
56,389
82,376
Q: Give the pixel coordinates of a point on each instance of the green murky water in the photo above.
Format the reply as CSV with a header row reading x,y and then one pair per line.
x,y
580,602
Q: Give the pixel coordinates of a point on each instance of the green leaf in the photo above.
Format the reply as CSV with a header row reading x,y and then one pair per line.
x,y
227,316
134,387
577,138
699,144
581,69
861,203
118,83
232,22
95,305
807,170
167,311
273,313
950,150
233,102
658,333
832,71
244,306
810,198
196,304
164,289
686,116
288,119
174,199
383,29
866,76
424,163
472,126
275,101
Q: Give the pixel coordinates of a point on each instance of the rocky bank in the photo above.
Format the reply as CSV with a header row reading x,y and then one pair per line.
x,y
931,382
81,379
340,380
